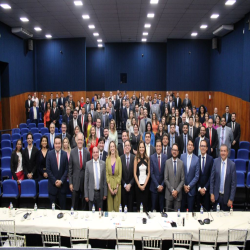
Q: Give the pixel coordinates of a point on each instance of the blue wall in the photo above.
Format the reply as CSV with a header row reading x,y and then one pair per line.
x,y
56,71
13,50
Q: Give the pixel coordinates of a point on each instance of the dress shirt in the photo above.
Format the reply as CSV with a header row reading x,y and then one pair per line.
x,y
189,160
106,145
59,158
148,149
98,132
127,157
191,131
172,140
63,136
52,137
98,167
74,122
30,150
34,113
201,139
101,152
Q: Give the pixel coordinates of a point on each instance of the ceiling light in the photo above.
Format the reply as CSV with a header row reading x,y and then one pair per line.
x,y
91,26
230,2
145,33
5,6
99,40
147,25
214,16
48,36
154,1
194,34
24,19
100,45
85,16
151,15
78,3
203,26
37,29
96,34
144,40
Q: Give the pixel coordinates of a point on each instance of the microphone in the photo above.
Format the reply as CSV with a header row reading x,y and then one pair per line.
x,y
207,221
58,206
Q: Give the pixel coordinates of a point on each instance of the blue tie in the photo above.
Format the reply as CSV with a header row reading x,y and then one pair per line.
x,y
185,144
174,168
96,176
222,178
203,164
188,163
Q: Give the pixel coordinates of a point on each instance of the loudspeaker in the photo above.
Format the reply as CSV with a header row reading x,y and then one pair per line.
x,y
215,43
123,78
30,44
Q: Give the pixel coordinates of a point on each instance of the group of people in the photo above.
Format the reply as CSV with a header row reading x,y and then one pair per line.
x,y
165,161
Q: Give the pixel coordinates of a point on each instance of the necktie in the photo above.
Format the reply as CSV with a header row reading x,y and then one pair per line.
x,y
159,163
226,117
57,159
210,136
185,144
191,132
52,141
188,163
96,176
222,178
104,121
127,163
222,136
82,120
177,101
203,164
164,150
233,126
63,136
101,156
171,142
145,122
80,159
174,168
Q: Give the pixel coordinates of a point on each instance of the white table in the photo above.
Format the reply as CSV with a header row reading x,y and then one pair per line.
x,y
104,228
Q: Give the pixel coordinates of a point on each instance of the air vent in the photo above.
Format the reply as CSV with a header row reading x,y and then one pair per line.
x,y
223,30
21,32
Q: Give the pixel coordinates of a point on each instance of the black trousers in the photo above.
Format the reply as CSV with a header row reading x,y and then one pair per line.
x,y
58,199
98,201
128,199
203,200
75,200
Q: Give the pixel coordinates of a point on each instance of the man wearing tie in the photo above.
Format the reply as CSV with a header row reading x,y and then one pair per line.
x,y
157,189
51,100
173,137
34,113
121,146
186,102
166,150
128,180
64,132
223,180
67,117
28,105
150,150
93,112
192,130
125,115
211,134
99,129
174,180
87,105
61,103
95,184
55,115
73,123
82,118
57,170
198,140
77,165
171,103
105,118
137,113
178,102
192,171
227,115
184,138
51,135
144,122
102,154
215,114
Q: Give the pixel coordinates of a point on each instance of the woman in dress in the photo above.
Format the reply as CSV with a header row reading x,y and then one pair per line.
x,y
113,136
155,123
142,175
73,139
205,124
197,123
92,141
201,113
135,137
46,117
129,120
66,146
217,122
41,158
16,164
160,132
149,128
87,125
114,176
141,116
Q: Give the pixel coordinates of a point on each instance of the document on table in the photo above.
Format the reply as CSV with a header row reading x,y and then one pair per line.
x,y
166,223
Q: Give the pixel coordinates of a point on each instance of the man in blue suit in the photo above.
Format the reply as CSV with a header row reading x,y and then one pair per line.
x,y
192,171
57,169
157,168
223,180
203,186
34,114
197,141
125,115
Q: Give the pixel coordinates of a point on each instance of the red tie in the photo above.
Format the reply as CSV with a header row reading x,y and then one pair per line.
x,y
57,159
80,159
82,120
159,163
210,137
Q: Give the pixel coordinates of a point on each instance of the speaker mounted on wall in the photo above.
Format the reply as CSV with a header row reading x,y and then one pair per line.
x,y
215,43
123,77
30,45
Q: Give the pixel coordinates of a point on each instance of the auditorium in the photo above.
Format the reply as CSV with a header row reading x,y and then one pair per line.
x,y
124,124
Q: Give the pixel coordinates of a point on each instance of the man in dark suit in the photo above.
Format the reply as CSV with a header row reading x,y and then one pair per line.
x,y
73,123
93,112
184,138
105,118
166,150
82,118
223,180
192,171
157,167
186,102
125,115
34,114
211,134
128,180
102,154
66,118
52,135
215,114
99,129
51,100
121,146
197,141
150,150
235,126
203,185
164,105
57,170
227,115
28,105
61,103
178,103
71,101
87,105
29,160
55,115
116,105
64,132
42,105
192,130
77,165
173,137
171,103
183,121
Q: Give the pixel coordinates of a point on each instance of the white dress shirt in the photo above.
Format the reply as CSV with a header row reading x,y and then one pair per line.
x,y
98,168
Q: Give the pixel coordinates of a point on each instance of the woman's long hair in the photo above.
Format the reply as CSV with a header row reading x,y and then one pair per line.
x,y
138,155
116,152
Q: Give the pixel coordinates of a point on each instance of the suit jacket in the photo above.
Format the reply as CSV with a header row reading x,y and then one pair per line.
x,y
49,141
197,143
101,132
143,125
27,106
29,165
125,115
106,121
152,150
229,138
214,138
55,174
177,141
120,149
87,107
182,143
89,180
42,107
94,116
54,115
173,105
76,175
32,114
169,154
67,135
230,180
84,120
179,104
116,105
128,173
104,155
157,177
51,102
204,179
192,176
236,132
186,103
195,132
71,129
60,102
229,117
173,182
155,108
14,163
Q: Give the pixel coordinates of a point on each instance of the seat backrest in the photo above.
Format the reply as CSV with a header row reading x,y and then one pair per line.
x,y
6,172
240,179
10,188
34,130
6,152
240,165
208,237
7,226
243,154
40,125
5,137
28,187
125,235
5,144
182,239
79,235
16,136
232,154
22,125
24,130
248,179
151,243
17,240
5,162
38,144
245,145
44,131
43,187
15,131
51,238
237,238
14,144
37,136
32,125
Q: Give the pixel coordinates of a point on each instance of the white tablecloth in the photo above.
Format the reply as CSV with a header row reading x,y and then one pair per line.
x,y
104,228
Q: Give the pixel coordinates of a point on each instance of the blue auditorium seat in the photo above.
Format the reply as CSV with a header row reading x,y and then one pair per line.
x,y
15,137
5,137
5,162
34,130
240,165
10,189
6,152
15,131
37,136
44,130
43,189
232,154
243,154
32,125
24,130
240,179
245,145
5,144
6,172
23,125
28,189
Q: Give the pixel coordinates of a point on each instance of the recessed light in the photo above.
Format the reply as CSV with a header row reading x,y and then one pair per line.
x,y
154,1
5,6
151,15
230,2
37,29
99,40
24,19
85,16
145,33
48,36
203,26
194,34
147,25
214,16
91,26
144,40
100,45
96,34
78,3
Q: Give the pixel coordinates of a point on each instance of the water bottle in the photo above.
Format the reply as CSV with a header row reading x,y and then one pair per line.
x,y
125,210
178,213
100,213
201,212
231,211
10,209
93,209
35,207
218,209
187,215
53,207
120,208
72,211
141,208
